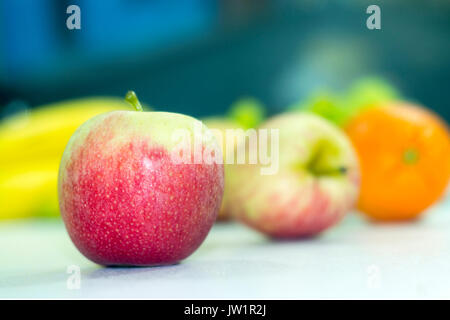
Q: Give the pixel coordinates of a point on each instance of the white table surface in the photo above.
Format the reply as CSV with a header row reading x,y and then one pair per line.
x,y
355,259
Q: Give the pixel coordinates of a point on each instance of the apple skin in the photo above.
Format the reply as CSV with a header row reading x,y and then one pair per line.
x,y
221,125
310,192
122,198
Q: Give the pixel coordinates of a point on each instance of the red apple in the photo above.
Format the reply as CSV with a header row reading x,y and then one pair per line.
x,y
316,184
124,200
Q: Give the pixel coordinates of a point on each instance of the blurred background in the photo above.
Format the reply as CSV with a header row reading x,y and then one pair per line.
x,y
199,56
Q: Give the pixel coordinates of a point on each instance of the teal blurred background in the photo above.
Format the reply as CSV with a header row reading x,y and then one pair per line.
x,y
198,56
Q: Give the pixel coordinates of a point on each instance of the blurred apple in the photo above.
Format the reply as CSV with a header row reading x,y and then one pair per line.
x,y
316,185
247,113
326,104
341,108
369,92
219,126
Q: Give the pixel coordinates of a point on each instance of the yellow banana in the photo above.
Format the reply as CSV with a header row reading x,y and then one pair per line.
x,y
42,133
29,191
31,145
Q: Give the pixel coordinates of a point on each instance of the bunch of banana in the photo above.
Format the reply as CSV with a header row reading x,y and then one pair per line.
x,y
31,146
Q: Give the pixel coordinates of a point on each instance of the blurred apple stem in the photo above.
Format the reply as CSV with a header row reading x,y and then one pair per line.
x,y
132,99
330,172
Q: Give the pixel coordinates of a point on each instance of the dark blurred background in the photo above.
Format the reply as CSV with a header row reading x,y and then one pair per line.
x,y
198,56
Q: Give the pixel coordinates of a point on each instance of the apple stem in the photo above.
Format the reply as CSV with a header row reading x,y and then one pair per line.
x,y
132,99
339,170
